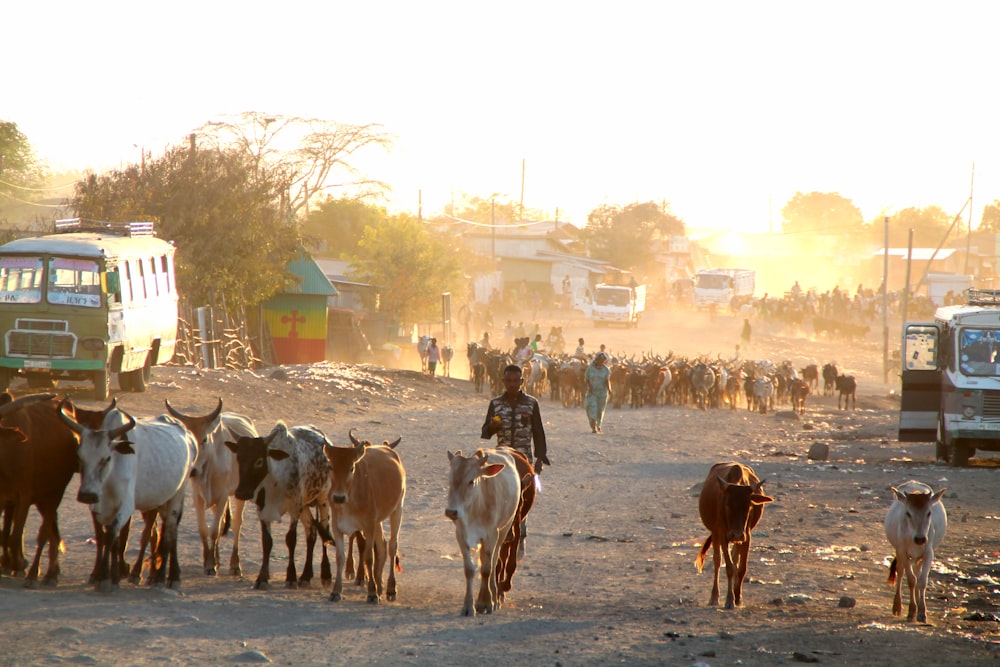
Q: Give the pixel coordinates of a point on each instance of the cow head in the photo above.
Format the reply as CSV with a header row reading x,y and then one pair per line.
x,y
465,474
97,447
919,506
205,430
344,462
737,502
252,455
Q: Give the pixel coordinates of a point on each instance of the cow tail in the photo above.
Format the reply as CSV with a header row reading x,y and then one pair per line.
x,y
892,572
699,562
399,564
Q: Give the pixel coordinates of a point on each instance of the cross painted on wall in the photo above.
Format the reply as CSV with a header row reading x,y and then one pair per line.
x,y
294,319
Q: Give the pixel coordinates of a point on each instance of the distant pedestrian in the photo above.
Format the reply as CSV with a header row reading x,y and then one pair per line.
x,y
745,334
433,356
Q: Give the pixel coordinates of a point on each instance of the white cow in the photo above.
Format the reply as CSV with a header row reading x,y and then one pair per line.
x,y
483,494
214,479
915,526
287,473
131,466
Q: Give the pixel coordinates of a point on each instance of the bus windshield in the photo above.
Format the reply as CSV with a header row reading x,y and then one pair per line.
x,y
713,281
74,282
20,279
979,351
612,297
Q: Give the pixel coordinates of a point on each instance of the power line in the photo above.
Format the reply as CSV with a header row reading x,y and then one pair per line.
x,y
22,187
31,203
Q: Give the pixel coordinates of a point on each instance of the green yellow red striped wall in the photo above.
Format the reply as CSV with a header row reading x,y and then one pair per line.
x,y
298,327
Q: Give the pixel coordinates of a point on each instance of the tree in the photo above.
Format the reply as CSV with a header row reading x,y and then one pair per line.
x,y
411,267
20,170
223,215
627,237
498,209
336,226
821,213
929,227
312,155
991,218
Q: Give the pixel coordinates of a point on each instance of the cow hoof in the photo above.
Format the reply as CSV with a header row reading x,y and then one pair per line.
x,y
468,612
50,583
291,584
31,584
373,599
236,571
103,586
260,585
391,597
210,571
334,597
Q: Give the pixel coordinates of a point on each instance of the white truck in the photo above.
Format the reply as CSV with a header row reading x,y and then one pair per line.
x,y
951,379
618,304
723,287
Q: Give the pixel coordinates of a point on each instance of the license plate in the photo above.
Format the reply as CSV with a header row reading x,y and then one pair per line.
x,y
38,365
989,426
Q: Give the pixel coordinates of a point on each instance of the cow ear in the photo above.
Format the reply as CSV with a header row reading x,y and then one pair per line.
x,y
277,454
233,447
493,469
760,499
937,496
123,447
901,497
723,484
451,456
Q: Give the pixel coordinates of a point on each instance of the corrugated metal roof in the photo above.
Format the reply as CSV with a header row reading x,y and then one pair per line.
x,y
919,254
314,281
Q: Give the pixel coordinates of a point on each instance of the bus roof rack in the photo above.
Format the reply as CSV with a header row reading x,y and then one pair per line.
x,y
982,297
131,229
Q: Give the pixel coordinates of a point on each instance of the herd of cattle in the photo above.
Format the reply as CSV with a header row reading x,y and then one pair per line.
x,y
670,380
341,495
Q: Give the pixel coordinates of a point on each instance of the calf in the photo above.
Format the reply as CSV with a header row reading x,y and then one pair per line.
x,y
915,525
731,505
286,473
368,485
214,479
798,391
126,466
483,495
829,378
846,389
511,550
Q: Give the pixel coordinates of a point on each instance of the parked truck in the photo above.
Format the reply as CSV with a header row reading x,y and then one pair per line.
x,y
951,379
723,287
618,304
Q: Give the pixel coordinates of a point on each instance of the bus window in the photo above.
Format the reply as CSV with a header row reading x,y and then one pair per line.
x,y
921,348
20,279
162,275
150,275
138,280
979,351
74,282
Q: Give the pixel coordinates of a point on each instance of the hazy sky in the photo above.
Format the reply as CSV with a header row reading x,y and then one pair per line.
x,y
724,109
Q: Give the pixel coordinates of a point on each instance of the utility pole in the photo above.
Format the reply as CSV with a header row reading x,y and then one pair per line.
x,y
885,306
968,235
521,211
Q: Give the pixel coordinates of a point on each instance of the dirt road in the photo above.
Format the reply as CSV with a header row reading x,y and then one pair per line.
x,y
609,575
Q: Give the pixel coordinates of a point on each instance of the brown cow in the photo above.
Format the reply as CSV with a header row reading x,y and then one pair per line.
x,y
37,460
731,504
368,486
509,549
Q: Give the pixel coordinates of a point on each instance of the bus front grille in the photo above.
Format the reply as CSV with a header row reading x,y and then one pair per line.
x,y
991,405
41,344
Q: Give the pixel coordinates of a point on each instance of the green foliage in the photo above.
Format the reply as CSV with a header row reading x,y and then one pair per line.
x,y
492,210
627,237
221,212
821,213
335,226
991,218
409,265
20,167
929,227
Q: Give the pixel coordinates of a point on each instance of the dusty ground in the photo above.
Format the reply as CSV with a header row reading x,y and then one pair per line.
x,y
609,575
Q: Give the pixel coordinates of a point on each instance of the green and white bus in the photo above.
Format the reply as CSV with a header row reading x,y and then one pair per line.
x,y
90,300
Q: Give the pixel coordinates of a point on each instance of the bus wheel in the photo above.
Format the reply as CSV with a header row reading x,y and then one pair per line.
x,y
102,385
940,446
136,380
960,454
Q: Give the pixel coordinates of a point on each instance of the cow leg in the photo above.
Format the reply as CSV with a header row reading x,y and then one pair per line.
x,y
469,567
376,548
266,543
921,590
895,576
742,553
395,519
713,600
55,543
488,601
145,539
236,513
209,555
349,567
15,541
911,583
291,537
338,583
168,542
305,581
730,575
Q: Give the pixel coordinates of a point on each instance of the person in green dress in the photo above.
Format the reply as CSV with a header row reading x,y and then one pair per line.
x,y
597,378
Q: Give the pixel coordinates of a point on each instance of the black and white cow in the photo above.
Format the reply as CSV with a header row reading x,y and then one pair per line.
x,y
287,473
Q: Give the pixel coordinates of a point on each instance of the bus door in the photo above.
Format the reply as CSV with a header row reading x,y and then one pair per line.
x,y
921,393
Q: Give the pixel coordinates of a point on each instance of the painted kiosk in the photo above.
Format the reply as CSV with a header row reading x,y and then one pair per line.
x,y
92,299
951,379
